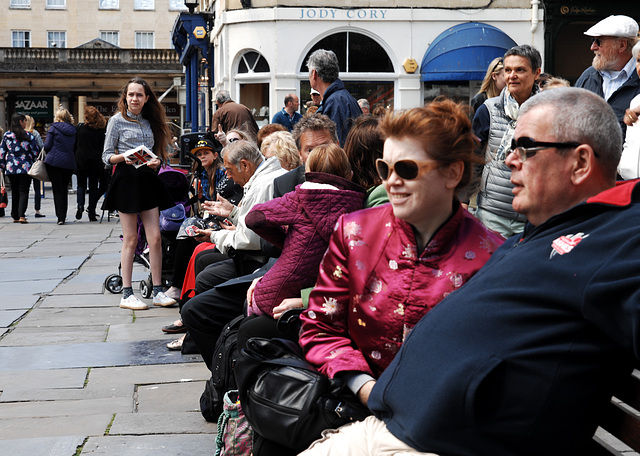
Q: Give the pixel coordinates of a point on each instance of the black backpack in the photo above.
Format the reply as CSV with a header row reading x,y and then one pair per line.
x,y
222,380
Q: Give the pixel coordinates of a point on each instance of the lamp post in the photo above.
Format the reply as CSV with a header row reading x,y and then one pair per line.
x,y
191,4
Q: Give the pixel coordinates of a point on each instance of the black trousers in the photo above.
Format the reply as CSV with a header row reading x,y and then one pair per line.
x,y
20,184
37,197
184,250
94,195
206,314
60,179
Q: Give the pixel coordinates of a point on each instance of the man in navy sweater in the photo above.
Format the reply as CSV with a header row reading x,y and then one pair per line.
x,y
522,359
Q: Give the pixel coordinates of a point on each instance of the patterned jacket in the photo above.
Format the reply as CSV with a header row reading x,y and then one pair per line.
x,y
16,157
301,223
373,287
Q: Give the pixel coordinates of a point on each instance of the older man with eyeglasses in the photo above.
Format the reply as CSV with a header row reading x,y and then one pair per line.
x,y
612,73
522,359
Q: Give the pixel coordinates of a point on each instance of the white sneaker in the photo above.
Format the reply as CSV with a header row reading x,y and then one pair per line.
x,y
174,293
133,303
163,300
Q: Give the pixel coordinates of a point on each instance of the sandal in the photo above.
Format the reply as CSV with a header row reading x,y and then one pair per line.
x,y
175,345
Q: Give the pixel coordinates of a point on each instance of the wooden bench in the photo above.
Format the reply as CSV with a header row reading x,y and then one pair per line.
x,y
619,431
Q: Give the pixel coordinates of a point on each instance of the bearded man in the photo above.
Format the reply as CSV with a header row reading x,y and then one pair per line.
x,y
612,74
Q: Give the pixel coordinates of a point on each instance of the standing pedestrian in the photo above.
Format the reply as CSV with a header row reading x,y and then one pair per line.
x,y
18,151
140,121
60,162
89,146
37,196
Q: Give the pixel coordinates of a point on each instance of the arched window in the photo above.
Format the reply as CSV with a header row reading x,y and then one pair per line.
x,y
253,62
357,53
252,77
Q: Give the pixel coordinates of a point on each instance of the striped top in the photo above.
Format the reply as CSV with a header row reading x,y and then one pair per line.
x,y
123,135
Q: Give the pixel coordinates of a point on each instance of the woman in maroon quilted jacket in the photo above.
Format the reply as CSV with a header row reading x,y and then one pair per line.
x,y
387,266
301,223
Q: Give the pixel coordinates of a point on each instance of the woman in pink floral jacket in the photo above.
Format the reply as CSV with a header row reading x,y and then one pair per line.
x,y
387,266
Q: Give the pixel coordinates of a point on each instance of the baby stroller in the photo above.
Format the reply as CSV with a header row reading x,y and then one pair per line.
x,y
178,186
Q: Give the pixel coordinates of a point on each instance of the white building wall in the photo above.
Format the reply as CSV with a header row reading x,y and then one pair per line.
x,y
284,36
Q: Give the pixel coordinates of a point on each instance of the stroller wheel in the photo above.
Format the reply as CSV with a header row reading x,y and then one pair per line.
x,y
113,283
146,288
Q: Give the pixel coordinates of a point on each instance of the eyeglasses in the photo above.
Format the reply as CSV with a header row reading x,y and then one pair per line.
x,y
405,169
525,148
230,140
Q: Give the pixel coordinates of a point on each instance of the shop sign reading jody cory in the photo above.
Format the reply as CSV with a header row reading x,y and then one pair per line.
x,y
330,13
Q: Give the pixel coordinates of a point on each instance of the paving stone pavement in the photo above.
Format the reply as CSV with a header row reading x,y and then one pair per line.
x,y
78,374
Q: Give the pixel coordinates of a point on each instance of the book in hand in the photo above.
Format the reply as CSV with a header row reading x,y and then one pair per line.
x,y
140,155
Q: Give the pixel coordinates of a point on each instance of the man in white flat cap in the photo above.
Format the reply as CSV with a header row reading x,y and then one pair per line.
x,y
612,74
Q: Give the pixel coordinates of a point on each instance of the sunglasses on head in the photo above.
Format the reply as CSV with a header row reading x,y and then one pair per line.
x,y
499,62
405,169
233,140
525,147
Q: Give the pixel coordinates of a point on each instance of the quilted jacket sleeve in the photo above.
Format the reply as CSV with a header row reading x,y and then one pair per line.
x,y
268,219
325,335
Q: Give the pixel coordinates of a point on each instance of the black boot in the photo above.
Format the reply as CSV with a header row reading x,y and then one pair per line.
x,y
92,216
79,212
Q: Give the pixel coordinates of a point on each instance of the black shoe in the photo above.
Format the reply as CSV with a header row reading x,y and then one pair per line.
x,y
79,212
174,329
60,222
93,217
40,215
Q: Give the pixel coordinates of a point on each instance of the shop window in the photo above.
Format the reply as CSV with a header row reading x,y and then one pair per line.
x,y
143,5
255,94
110,36
20,4
144,40
357,53
21,38
109,4
57,39
253,62
458,91
56,4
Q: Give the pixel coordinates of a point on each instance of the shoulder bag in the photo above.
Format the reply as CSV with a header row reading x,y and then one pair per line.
x,y
171,219
285,399
4,200
38,170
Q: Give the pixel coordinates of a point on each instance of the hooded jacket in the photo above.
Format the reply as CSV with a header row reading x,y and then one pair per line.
x,y
310,214
60,144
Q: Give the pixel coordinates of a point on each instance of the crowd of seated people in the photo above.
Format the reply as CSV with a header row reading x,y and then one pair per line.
x,y
398,260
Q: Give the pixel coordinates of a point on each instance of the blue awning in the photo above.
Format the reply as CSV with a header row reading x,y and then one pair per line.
x,y
463,52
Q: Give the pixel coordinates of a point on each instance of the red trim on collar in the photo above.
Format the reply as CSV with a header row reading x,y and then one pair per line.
x,y
620,195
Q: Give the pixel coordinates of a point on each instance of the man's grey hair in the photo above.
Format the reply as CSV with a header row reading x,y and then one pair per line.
x,y
581,116
316,122
528,52
636,50
326,65
364,103
223,96
243,150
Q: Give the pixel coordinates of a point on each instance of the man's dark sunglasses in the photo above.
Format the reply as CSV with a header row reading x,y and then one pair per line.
x,y
525,147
